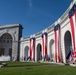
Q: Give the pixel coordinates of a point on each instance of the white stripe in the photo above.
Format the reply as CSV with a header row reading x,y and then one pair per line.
x,y
55,47
32,47
33,50
44,45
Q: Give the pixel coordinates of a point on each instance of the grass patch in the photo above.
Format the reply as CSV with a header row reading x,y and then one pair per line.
x,y
33,68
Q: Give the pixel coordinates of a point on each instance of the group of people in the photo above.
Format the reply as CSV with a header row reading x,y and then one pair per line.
x,y
71,57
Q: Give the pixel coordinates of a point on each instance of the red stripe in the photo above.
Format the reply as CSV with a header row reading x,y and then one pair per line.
x,y
73,34
34,50
75,40
30,49
75,31
46,45
59,53
55,46
59,45
72,28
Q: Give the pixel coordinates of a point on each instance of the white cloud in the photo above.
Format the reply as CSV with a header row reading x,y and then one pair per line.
x,y
30,3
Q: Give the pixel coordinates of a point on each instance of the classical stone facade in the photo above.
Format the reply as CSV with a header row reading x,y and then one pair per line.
x,y
9,40
52,44
53,48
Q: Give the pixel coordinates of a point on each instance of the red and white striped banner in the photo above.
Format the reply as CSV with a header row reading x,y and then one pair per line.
x,y
57,55
32,49
44,45
72,17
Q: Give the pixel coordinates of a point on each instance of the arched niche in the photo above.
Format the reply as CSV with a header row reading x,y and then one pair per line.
x,y
51,49
26,52
67,43
6,45
39,52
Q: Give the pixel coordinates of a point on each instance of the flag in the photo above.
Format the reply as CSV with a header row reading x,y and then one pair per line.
x,y
74,56
72,18
44,45
70,56
57,55
32,49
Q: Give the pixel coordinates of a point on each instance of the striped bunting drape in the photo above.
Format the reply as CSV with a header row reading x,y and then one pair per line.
x,y
44,45
32,49
57,54
72,18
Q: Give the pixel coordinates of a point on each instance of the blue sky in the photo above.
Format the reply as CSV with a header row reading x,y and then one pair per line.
x,y
34,15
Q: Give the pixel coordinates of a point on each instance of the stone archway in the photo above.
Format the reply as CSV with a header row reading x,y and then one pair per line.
x,y
6,45
39,52
51,50
68,43
26,51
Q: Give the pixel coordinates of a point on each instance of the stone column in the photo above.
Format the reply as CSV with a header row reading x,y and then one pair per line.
x,y
14,51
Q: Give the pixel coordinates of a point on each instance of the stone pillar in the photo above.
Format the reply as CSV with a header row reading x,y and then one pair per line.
x,y
14,51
